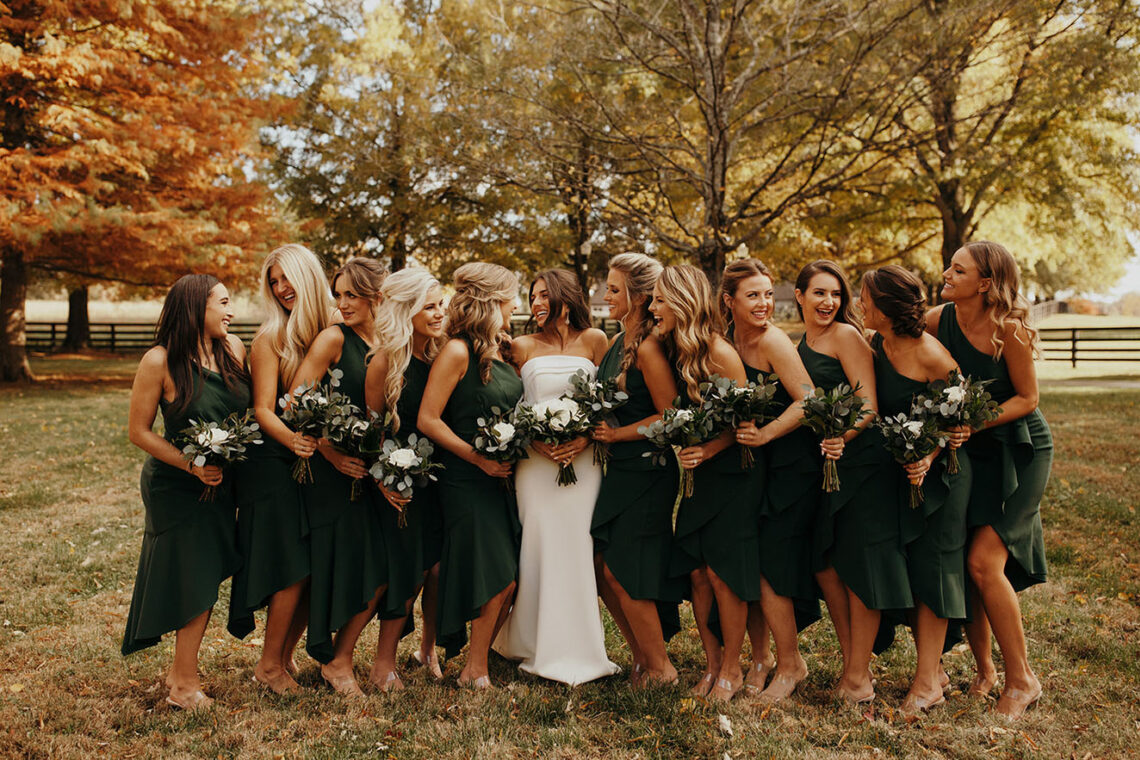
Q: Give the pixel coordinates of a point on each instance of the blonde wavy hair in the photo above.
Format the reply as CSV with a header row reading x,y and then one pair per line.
x,y
292,331
474,314
404,294
1003,300
687,292
640,273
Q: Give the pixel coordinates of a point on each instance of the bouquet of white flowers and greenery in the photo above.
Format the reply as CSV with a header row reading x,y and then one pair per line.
x,y
554,422
680,428
911,438
351,433
959,401
402,465
830,414
306,410
219,443
597,399
735,404
498,439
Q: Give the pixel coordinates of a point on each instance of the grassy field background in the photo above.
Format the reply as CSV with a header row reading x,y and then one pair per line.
x,y
70,528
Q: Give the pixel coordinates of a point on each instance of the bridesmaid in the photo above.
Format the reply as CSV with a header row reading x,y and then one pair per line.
x,y
856,550
195,370
409,331
717,543
633,518
791,491
934,535
479,561
985,326
272,525
347,552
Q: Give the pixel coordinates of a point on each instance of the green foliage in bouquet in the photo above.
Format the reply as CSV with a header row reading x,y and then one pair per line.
x,y
910,438
680,427
598,400
735,404
830,414
956,402
206,442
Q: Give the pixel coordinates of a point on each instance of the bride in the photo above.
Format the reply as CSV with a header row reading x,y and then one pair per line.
x,y
555,628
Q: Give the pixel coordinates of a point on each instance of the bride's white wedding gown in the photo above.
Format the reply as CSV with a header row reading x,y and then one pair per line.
x,y
555,627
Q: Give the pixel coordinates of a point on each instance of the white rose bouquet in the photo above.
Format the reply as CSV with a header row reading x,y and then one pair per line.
x,y
554,421
830,414
351,433
734,404
678,428
400,466
597,399
959,401
219,443
498,438
911,438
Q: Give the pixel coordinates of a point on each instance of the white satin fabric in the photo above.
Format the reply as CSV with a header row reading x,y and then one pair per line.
x,y
555,628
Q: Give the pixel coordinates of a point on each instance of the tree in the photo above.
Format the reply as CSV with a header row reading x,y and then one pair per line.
x,y
126,139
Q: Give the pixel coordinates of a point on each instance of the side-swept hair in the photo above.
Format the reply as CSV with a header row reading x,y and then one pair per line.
x,y
1003,300
292,331
687,291
473,313
735,273
562,291
640,273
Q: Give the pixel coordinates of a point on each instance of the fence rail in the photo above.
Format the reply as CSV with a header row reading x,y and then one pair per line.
x,y
111,336
1090,344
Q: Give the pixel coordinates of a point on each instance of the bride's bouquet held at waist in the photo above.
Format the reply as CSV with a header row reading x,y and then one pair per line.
x,y
206,442
597,399
554,422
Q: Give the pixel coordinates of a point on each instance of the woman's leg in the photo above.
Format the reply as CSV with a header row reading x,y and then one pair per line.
x,y
733,622
613,603
279,622
856,682
790,666
483,630
929,636
183,676
703,594
338,672
838,607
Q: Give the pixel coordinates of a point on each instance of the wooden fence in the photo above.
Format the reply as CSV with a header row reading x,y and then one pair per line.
x,y
1090,344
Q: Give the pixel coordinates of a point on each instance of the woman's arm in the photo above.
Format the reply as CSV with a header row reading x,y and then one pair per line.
x,y
858,362
658,374
726,363
147,391
446,372
788,366
325,352
933,318
264,366
1018,354
375,381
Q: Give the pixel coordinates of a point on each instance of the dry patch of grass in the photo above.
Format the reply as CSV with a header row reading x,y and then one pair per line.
x,y
70,526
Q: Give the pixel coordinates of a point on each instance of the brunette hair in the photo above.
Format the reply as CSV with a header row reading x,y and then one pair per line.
x,y
365,277
846,312
180,332
1003,300
900,295
735,273
562,290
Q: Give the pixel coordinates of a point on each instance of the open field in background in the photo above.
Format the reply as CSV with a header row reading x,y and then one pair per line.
x,y
70,527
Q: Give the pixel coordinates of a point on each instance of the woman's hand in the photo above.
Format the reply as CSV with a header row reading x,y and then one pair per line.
x,y
209,474
564,453
545,449
303,445
916,471
604,433
346,465
393,497
692,456
747,434
959,435
493,468
832,448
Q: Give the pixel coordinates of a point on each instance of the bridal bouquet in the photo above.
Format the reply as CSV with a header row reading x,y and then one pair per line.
x,y
830,414
597,399
219,443
680,428
350,433
736,404
401,466
554,421
910,439
959,401
307,413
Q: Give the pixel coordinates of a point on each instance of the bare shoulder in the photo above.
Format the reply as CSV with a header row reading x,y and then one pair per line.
x,y
597,342
651,347
154,360
453,350
934,318
936,356
775,339
235,346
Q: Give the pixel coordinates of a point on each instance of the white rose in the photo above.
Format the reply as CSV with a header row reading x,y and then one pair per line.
x,y
914,427
504,431
213,437
955,394
404,458
683,415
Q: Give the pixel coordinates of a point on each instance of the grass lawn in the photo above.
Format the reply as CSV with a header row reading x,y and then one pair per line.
x,y
70,528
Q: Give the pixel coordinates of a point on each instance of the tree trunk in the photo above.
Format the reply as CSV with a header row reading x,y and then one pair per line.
x,y
78,323
14,365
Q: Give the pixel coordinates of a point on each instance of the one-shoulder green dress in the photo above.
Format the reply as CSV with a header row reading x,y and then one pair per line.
x,y
189,546
406,545
788,509
719,525
1011,463
480,555
857,530
632,524
934,534
346,542
272,531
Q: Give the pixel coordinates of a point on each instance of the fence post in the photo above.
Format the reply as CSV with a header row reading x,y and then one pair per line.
x,y
1073,347
113,338
51,345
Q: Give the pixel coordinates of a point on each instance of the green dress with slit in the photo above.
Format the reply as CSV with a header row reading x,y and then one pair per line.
x,y
1011,463
788,509
406,545
933,534
189,546
480,553
857,528
272,530
346,544
632,525
719,525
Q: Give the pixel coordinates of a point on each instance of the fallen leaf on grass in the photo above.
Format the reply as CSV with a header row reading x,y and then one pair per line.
x,y
724,724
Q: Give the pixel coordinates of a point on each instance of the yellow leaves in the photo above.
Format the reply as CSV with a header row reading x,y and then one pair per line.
x,y
9,55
